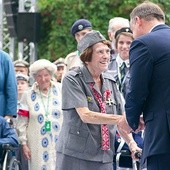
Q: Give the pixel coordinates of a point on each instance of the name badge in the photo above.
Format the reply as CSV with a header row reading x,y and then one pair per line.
x,y
47,126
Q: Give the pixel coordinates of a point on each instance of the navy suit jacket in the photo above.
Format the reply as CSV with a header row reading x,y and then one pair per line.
x,y
149,89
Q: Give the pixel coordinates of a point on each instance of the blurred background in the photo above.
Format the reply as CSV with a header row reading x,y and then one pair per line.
x,y
34,29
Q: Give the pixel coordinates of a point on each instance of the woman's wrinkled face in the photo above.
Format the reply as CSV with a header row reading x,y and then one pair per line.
x,y
100,58
43,78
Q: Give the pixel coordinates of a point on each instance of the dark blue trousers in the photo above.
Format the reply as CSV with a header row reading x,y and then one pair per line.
x,y
158,162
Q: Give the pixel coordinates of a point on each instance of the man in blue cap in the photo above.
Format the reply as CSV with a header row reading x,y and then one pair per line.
x,y
78,30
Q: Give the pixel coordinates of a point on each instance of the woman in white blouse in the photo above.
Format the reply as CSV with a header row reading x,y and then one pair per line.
x,y
40,117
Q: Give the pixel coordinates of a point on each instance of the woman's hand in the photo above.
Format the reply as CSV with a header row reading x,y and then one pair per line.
x,y
134,150
26,151
123,125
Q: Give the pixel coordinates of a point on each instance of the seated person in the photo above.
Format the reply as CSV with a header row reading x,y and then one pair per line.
x,y
8,135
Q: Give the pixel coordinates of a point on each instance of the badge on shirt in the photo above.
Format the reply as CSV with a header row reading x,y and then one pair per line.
x,y
47,126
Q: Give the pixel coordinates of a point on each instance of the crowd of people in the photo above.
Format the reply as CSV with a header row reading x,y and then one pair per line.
x,y
78,112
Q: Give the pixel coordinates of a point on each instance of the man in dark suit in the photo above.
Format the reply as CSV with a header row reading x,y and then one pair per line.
x,y
149,92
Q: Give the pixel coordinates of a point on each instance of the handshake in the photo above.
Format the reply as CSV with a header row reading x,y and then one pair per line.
x,y
124,126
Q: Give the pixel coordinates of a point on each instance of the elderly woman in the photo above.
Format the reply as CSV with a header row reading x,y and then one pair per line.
x,y
40,117
91,107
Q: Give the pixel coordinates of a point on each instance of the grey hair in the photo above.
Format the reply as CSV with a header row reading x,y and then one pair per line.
x,y
117,21
148,11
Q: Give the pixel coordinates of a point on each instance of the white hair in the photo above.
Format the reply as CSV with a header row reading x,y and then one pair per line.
x,y
40,65
117,21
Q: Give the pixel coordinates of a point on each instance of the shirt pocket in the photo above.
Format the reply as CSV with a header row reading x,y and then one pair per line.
x,y
77,139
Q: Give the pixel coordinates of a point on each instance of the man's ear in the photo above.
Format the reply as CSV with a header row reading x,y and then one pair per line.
x,y
138,20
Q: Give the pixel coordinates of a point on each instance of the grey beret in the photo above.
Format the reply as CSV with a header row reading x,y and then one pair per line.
x,y
80,25
90,39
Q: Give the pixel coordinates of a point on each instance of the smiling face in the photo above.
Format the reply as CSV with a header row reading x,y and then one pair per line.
x,y
123,46
100,59
43,78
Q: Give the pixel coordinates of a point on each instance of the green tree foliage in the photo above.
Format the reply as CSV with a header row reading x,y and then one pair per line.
x,y
59,15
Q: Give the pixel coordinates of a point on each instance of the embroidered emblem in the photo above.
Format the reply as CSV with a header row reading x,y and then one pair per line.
x,y
105,143
89,99
80,27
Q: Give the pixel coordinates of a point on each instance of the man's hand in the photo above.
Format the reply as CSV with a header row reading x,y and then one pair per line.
x,y
141,125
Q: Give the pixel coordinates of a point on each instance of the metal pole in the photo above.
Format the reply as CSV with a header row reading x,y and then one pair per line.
x,y
21,44
33,46
27,6
12,48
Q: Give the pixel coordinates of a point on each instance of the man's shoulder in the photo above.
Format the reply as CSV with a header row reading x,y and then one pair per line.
x,y
70,55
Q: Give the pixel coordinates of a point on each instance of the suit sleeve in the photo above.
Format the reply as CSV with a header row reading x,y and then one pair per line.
x,y
141,67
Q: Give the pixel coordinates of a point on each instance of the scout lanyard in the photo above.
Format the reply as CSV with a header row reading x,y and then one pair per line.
x,y
47,122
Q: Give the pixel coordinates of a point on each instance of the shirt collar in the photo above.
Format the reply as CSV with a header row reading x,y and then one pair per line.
x,y
120,61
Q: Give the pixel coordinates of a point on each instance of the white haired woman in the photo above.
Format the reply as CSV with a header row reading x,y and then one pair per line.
x,y
40,117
